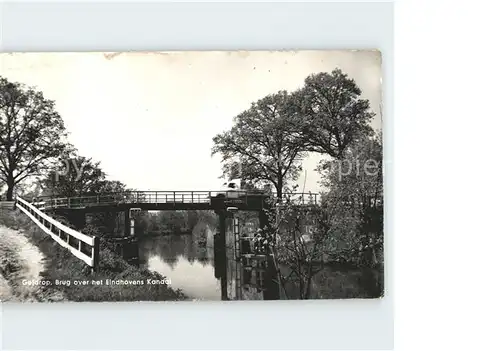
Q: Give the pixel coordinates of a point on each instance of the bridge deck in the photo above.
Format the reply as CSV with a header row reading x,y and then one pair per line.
x,y
166,200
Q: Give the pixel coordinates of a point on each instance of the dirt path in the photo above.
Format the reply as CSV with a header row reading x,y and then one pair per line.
x,y
21,262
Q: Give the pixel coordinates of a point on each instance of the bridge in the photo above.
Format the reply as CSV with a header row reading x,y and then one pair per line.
x,y
224,203
168,200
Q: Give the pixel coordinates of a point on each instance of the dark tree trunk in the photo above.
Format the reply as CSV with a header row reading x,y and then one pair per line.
x,y
10,189
279,189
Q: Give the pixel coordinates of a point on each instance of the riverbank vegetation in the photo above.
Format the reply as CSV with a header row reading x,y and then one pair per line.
x,y
61,265
172,222
343,233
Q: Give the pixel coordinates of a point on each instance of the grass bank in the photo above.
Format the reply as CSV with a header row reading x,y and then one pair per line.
x,y
133,283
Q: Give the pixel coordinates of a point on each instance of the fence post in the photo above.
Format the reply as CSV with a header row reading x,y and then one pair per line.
x,y
95,254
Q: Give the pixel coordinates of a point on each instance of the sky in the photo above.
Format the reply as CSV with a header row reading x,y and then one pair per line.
x,y
149,118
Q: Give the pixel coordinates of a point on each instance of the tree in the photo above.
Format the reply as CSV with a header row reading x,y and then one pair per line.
x,y
261,143
107,221
78,175
173,221
300,246
31,133
112,186
333,114
297,237
354,202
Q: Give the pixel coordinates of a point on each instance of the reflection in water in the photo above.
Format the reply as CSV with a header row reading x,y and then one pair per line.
x,y
187,260
195,279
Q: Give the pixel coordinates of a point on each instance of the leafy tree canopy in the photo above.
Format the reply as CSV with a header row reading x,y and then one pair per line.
x,y
261,143
77,176
333,114
31,133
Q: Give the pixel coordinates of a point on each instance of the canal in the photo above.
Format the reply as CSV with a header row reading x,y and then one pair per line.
x,y
188,263
191,264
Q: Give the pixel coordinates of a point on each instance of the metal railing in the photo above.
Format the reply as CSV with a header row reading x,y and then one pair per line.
x,y
82,246
159,197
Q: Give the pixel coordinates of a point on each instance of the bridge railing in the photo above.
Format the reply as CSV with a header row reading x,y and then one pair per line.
x,y
160,197
82,246
126,197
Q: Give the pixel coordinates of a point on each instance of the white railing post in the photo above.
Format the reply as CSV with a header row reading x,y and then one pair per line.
x,y
95,254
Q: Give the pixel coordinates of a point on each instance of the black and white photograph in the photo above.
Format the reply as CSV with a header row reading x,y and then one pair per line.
x,y
191,176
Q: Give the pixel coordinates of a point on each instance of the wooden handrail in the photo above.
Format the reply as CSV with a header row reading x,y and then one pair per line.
x,y
38,217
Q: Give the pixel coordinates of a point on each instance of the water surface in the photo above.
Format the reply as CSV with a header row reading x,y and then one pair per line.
x,y
188,263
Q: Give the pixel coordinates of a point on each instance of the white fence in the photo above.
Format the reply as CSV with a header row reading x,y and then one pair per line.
x,y
62,234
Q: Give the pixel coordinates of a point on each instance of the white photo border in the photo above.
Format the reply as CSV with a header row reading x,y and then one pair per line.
x,y
155,26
